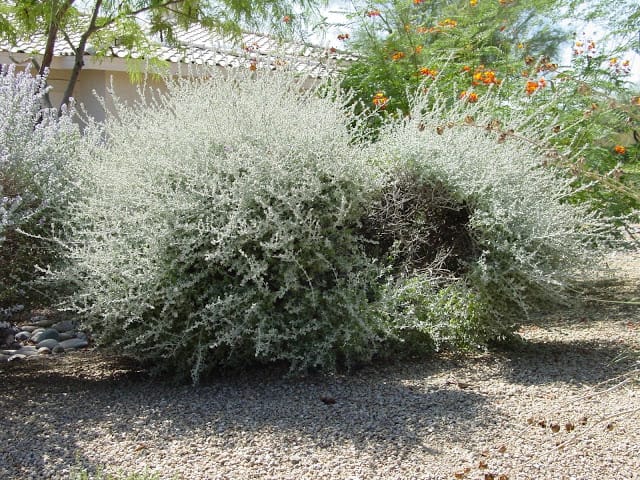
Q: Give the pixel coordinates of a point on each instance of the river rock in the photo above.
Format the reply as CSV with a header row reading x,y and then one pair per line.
x,y
82,336
42,321
23,336
17,357
74,343
27,350
57,349
67,335
45,334
47,343
64,326
44,351
29,328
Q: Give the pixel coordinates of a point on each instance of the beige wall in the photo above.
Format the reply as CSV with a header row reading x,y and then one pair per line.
x,y
94,82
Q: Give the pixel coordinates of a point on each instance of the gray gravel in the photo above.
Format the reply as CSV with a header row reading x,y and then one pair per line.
x,y
566,405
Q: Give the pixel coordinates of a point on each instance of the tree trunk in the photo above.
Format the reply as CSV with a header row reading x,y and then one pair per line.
x,y
79,55
52,35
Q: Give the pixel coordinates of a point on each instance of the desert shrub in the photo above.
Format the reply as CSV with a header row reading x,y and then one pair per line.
x,y
35,145
522,240
238,219
216,227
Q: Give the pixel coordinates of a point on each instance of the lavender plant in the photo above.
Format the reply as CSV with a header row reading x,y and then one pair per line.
x,y
35,146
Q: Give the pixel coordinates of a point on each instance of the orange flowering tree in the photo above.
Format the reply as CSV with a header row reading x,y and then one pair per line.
x,y
470,49
470,45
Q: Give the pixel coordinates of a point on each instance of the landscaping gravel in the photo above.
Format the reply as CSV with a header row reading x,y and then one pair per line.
x,y
563,405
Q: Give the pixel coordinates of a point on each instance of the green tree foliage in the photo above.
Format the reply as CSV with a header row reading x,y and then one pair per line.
x,y
508,50
406,43
132,23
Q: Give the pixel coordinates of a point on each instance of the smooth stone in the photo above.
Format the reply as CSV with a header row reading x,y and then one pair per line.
x,y
23,336
9,351
64,326
57,349
41,321
74,343
67,335
29,328
44,335
82,336
16,357
48,343
44,351
27,351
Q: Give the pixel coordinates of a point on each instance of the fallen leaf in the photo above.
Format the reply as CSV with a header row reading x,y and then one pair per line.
x,y
485,453
503,477
459,475
569,427
139,447
555,428
542,424
328,400
489,476
462,385
531,420
502,448
483,464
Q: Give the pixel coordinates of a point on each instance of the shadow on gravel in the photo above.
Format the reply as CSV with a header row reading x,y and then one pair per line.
x,y
51,416
576,362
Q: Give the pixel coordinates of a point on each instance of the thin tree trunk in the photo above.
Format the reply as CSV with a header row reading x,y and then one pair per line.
x,y
52,36
79,55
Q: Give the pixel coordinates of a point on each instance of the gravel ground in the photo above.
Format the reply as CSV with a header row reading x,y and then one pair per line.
x,y
563,405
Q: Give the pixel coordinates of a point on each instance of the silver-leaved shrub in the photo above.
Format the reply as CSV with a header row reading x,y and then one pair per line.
x,y
217,226
35,147
239,218
523,241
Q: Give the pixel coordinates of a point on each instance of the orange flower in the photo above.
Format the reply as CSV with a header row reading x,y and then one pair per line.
x,y
466,68
373,13
418,2
531,87
469,97
286,19
422,29
253,66
380,101
418,49
343,36
489,77
448,22
397,56
427,72
619,149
